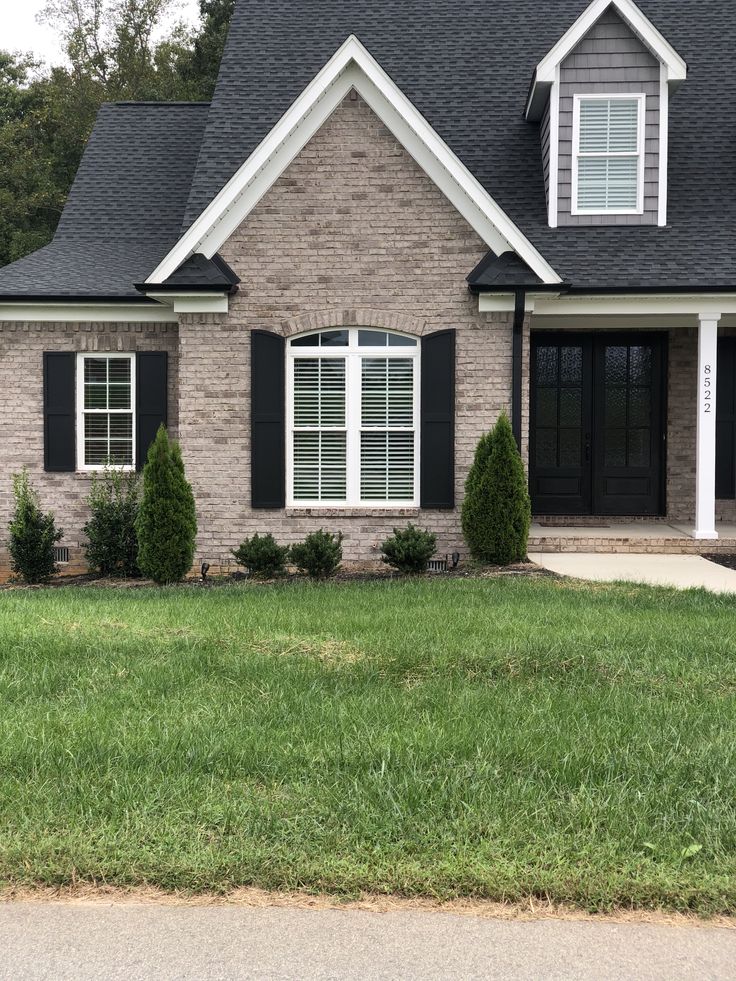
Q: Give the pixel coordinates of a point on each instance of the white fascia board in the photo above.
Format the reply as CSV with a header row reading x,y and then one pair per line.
x,y
59,312
603,305
675,66
352,66
193,302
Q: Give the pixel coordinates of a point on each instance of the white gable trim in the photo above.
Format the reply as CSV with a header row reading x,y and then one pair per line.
x,y
352,66
544,76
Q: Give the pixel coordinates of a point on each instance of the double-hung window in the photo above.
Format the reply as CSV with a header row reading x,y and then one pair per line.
x,y
105,411
608,154
353,406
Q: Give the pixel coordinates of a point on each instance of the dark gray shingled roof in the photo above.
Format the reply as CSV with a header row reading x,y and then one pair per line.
x,y
466,65
125,208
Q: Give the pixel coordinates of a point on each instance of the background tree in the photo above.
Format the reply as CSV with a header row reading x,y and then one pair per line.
x,y
116,50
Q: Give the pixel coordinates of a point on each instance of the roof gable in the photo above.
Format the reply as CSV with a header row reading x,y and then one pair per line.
x,y
351,67
545,73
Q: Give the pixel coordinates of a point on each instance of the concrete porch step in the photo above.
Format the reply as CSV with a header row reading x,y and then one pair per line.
x,y
656,537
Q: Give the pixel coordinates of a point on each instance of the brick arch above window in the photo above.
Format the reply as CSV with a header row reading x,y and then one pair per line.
x,y
354,317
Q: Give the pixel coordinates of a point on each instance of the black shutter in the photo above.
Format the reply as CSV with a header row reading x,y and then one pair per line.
x,y
437,470
726,420
151,399
268,421
58,411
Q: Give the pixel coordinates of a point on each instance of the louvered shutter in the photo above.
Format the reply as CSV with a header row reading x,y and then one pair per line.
x,y
59,411
387,437
437,468
608,161
151,396
268,404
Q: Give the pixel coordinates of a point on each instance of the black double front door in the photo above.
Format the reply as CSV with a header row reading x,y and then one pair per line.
x,y
597,423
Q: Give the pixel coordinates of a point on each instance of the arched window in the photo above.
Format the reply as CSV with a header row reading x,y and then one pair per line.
x,y
352,418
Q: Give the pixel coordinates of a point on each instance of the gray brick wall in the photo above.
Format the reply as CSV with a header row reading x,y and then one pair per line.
x,y
353,232
22,346
611,58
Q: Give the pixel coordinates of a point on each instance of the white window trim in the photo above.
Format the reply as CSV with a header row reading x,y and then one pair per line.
x,y
640,98
83,467
352,355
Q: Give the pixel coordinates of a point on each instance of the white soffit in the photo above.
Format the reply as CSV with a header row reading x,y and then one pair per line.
x,y
352,66
675,67
81,312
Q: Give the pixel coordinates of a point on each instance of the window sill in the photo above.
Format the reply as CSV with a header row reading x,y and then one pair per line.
x,y
353,512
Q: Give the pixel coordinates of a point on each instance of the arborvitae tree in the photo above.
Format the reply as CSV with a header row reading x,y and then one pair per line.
x,y
167,521
33,534
496,511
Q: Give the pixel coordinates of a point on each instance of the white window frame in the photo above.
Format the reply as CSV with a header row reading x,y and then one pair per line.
x,y
353,355
82,412
640,153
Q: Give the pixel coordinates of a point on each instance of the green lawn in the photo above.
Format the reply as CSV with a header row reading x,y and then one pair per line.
x,y
498,738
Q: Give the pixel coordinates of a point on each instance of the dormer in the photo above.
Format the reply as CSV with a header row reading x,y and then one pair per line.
x,y
601,97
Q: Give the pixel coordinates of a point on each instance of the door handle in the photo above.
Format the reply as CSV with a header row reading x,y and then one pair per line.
x,y
587,447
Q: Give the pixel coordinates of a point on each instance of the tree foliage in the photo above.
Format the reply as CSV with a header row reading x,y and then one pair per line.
x,y
496,511
115,50
167,521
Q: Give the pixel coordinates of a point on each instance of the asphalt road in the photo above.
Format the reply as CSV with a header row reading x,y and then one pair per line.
x,y
80,941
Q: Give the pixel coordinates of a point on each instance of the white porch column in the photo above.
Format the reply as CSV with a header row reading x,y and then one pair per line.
x,y
705,454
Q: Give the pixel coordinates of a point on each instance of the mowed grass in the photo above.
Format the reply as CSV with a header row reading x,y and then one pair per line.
x,y
493,738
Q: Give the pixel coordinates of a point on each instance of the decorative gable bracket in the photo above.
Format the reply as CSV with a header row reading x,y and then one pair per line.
x,y
351,67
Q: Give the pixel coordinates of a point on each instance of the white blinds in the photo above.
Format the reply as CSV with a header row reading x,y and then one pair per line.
x,y
608,155
353,419
320,439
387,412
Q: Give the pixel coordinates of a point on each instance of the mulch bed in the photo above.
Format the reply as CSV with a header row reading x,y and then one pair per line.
x,y
353,573
726,559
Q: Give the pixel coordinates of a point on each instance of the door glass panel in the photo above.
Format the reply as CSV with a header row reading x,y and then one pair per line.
x,y
640,407
546,448
571,407
615,452
546,406
616,367
570,447
571,365
615,407
639,444
546,365
640,365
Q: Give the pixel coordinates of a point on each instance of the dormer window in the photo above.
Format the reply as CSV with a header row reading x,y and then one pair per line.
x,y
604,155
608,158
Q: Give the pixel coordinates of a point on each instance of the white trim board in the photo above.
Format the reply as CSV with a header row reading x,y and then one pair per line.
x,y
675,67
71,312
545,304
352,66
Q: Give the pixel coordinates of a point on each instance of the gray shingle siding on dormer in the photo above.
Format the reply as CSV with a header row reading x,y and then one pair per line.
x,y
544,132
611,58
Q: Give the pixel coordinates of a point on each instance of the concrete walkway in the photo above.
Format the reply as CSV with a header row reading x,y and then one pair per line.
x,y
680,571
129,942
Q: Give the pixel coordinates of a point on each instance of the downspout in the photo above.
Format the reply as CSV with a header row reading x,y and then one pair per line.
x,y
516,363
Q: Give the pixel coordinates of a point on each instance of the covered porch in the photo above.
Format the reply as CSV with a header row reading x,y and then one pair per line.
x,y
631,422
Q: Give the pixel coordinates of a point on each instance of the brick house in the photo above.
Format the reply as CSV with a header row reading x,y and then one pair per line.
x,y
393,222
